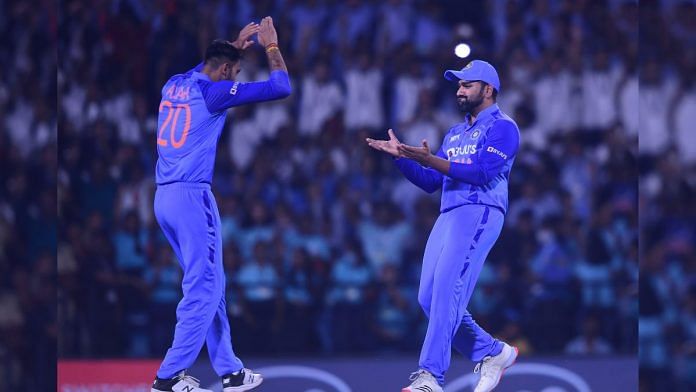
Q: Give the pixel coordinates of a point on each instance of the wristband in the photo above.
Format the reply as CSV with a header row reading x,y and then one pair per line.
x,y
272,46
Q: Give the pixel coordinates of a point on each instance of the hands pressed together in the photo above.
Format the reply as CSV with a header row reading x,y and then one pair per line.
x,y
397,149
266,34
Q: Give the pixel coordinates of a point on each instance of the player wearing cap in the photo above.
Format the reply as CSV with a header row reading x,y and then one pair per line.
x,y
472,167
191,118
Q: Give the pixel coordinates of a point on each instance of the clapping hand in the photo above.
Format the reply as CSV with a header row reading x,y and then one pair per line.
x,y
419,154
267,32
390,146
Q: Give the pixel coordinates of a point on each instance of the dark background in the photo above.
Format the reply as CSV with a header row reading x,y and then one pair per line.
x,y
667,216
28,197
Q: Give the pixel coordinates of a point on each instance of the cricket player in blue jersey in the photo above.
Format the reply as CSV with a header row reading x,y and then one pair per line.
x,y
472,167
191,117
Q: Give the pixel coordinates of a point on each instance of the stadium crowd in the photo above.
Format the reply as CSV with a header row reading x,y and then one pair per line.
x,y
667,168
28,118
322,237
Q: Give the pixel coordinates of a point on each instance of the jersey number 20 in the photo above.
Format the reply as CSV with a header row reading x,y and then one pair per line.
x,y
173,112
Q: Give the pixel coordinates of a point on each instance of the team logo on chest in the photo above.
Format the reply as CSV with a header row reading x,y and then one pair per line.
x,y
476,133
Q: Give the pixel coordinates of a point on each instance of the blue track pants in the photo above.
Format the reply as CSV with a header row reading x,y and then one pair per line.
x,y
454,255
189,218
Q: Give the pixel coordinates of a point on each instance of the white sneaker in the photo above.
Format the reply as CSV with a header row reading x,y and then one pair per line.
x,y
179,383
243,381
423,381
492,368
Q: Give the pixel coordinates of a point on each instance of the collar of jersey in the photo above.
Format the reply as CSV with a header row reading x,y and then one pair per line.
x,y
484,113
201,75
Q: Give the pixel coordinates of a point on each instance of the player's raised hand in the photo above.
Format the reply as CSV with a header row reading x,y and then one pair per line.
x,y
390,146
267,32
242,42
419,154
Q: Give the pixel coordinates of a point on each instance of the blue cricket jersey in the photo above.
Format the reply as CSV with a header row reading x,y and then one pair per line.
x,y
191,117
481,157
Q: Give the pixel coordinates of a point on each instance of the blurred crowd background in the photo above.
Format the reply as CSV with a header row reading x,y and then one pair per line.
x,y
667,167
28,327
323,238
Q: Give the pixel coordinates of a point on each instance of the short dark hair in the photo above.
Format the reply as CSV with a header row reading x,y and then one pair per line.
x,y
220,51
495,91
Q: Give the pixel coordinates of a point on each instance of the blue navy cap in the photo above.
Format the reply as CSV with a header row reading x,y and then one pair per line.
x,y
474,71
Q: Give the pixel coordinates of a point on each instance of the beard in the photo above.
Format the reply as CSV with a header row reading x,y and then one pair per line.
x,y
466,105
